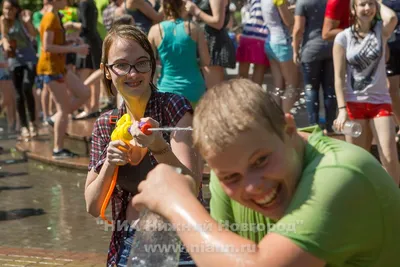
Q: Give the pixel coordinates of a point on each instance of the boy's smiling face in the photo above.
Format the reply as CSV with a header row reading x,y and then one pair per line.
x,y
260,170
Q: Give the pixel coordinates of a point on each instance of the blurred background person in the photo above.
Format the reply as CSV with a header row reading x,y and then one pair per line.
x,y
315,56
214,15
86,65
67,90
251,44
175,39
278,47
17,32
143,13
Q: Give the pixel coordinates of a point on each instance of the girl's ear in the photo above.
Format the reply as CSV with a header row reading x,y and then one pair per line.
x,y
105,70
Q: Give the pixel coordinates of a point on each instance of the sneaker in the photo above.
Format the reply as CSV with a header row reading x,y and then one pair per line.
x,y
25,132
50,121
33,130
64,154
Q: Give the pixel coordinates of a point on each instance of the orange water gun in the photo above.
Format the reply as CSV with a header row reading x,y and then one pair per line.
x,y
122,132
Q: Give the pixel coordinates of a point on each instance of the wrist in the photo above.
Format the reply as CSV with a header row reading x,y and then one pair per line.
x,y
159,146
197,11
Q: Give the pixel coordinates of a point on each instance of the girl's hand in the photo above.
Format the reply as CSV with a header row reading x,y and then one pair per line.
x,y
148,141
82,49
164,189
191,7
296,59
340,120
26,16
117,153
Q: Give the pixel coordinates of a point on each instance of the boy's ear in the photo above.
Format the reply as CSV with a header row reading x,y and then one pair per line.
x,y
290,127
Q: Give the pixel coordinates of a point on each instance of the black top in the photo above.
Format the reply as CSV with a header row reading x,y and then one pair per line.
x,y
204,5
87,15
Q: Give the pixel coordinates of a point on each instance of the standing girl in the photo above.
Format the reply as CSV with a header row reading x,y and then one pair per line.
x,y
129,64
175,39
359,52
251,44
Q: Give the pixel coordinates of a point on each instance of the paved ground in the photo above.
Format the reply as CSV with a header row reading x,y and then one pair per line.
x,y
42,211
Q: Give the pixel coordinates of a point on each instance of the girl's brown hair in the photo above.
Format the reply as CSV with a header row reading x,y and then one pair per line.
x,y
354,18
172,8
128,32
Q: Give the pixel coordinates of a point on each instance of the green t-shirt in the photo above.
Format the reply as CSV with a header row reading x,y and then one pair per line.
x,y
36,19
101,5
346,209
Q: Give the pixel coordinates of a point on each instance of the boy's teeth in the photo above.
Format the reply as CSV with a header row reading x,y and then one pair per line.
x,y
268,198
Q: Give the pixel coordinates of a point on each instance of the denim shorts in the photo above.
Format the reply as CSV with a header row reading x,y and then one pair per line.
x,y
279,52
185,259
4,75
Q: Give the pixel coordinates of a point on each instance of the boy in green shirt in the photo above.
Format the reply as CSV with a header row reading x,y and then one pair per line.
x,y
333,203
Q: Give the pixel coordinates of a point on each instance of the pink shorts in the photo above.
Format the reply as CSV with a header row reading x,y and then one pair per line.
x,y
251,51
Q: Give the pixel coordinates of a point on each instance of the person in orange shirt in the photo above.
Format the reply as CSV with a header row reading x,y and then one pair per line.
x,y
51,70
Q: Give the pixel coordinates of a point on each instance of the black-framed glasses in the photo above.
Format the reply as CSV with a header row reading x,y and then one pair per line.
x,y
122,69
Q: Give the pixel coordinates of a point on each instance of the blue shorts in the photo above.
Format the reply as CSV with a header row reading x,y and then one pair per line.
x,y
45,79
4,75
279,52
185,259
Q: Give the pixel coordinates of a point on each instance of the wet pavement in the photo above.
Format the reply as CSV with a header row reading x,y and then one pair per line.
x,y
42,210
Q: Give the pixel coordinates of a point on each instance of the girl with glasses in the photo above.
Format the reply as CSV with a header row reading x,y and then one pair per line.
x,y
128,65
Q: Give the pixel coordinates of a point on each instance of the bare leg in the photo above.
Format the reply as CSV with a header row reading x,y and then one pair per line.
x,y
78,89
385,138
61,99
9,103
244,70
258,74
279,83
394,89
290,74
365,139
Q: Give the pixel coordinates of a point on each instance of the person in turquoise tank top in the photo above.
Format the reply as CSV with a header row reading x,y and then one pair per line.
x,y
177,42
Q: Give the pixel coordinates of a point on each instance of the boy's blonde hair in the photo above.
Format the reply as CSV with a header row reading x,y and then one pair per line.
x,y
230,108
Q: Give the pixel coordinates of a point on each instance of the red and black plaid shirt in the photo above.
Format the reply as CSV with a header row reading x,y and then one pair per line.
x,y
167,109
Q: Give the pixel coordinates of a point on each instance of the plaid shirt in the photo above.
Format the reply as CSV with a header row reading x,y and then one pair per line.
x,y
167,109
108,16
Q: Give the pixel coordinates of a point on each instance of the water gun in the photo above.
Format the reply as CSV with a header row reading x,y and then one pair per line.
x,y
122,132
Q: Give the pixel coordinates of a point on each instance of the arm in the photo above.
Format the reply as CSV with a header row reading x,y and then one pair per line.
x,y
96,188
26,18
48,46
4,33
298,31
181,154
389,19
205,58
286,15
153,35
93,78
146,9
339,60
98,184
330,29
218,14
